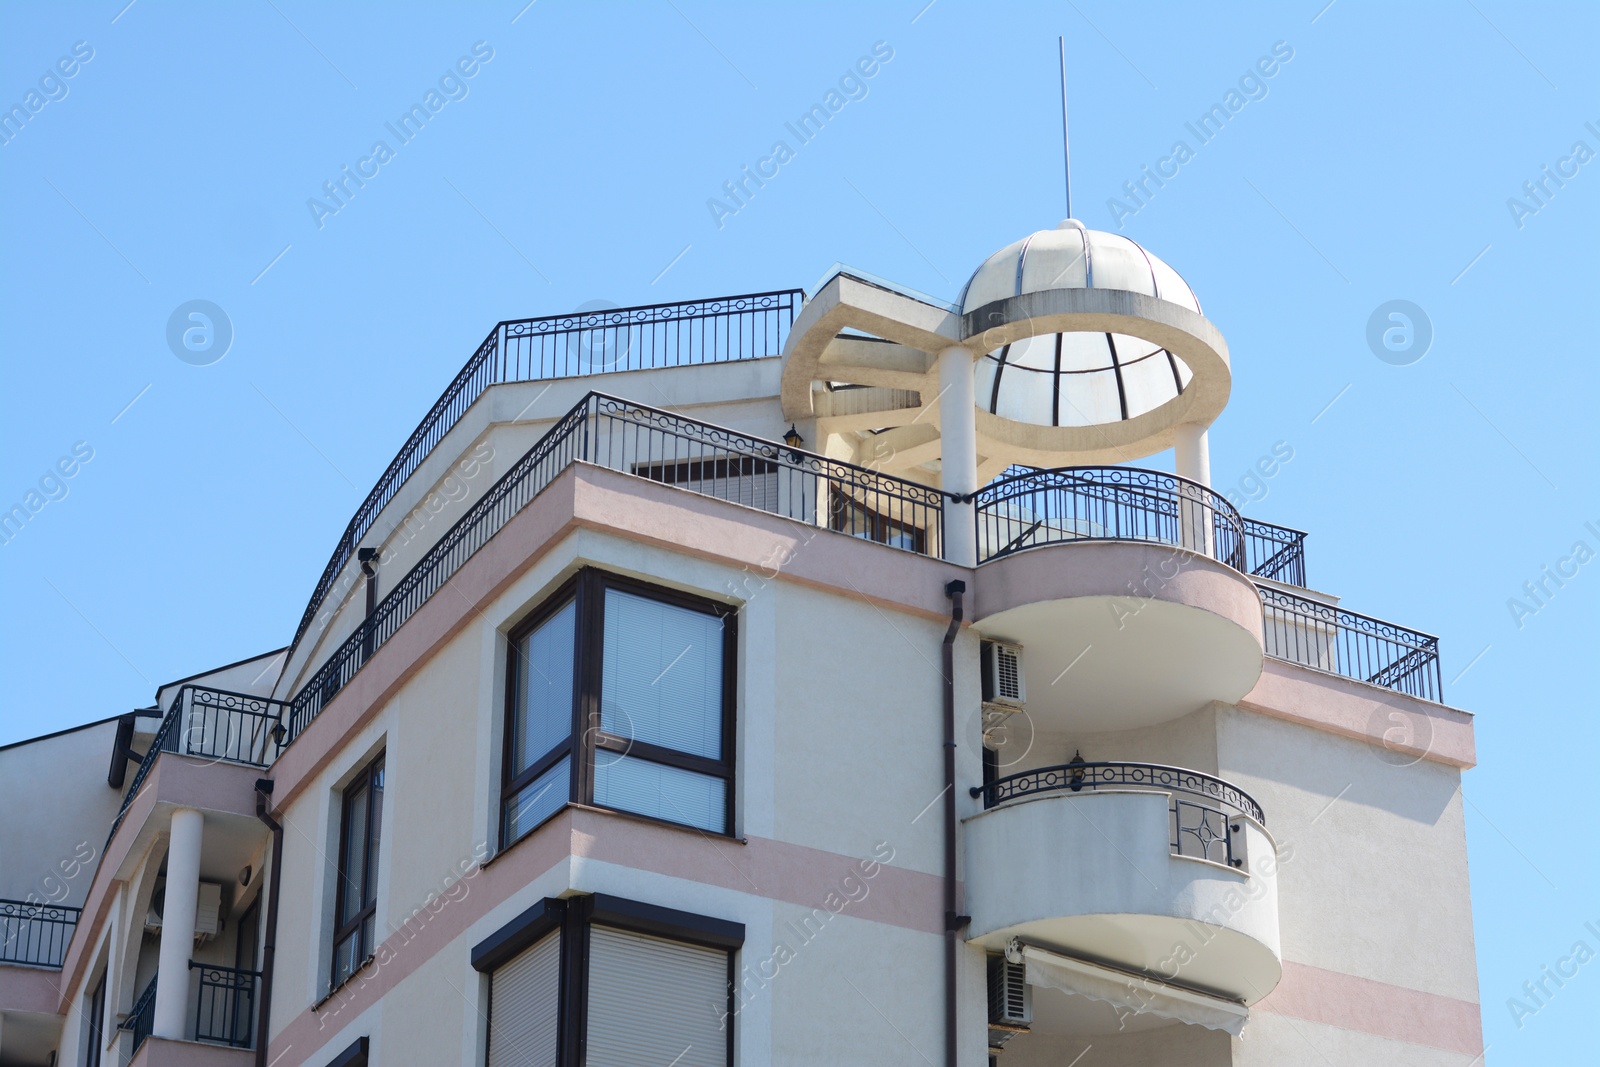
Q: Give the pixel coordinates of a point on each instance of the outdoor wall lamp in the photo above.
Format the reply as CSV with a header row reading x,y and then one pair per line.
x,y
793,439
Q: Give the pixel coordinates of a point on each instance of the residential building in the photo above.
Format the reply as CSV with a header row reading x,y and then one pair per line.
x,y
791,678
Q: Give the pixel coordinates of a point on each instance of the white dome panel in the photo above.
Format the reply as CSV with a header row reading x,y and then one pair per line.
x,y
1076,379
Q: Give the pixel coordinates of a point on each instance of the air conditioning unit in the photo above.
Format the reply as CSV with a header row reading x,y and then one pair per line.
x,y
1010,998
1002,674
207,912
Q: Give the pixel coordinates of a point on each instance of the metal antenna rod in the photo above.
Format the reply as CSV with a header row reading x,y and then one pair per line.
x,y
1066,151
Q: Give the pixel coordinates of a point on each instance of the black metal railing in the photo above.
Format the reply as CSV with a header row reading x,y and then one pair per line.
x,y
212,724
225,1005
222,725
35,933
141,1019
1075,777
1275,552
1303,631
1203,832
752,326
659,446
1042,507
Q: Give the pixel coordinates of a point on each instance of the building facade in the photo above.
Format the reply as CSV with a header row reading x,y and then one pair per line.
x,y
779,679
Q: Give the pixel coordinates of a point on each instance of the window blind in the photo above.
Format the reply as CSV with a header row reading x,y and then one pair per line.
x,y
525,1006
654,1002
662,674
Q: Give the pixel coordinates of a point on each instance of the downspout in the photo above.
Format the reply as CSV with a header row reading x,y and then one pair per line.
x,y
270,941
953,923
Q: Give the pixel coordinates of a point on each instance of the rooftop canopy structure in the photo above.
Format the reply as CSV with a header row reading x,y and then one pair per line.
x,y
1068,347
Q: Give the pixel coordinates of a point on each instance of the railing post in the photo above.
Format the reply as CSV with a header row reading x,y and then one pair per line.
x,y
958,455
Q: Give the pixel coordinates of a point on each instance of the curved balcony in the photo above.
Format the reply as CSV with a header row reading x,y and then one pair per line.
x,y
1127,588
1158,870
1073,504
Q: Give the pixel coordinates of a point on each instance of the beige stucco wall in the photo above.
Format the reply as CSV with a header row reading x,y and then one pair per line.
x,y
60,808
1273,1040
1377,882
835,763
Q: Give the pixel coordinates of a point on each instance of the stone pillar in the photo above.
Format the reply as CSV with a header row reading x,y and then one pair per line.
x,y
1193,453
177,925
1193,461
958,453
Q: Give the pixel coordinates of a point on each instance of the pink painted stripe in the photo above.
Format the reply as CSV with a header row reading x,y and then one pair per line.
x,y
1363,712
773,870
1361,1004
28,989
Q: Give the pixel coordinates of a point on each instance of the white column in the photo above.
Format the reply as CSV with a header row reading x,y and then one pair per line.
x,y
958,456
1193,461
1193,453
177,925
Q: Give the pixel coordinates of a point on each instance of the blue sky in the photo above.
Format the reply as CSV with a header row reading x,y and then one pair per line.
x,y
576,163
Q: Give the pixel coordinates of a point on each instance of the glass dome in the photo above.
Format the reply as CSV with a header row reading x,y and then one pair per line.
x,y
1076,379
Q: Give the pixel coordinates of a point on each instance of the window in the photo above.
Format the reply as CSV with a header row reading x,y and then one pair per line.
x,y
96,1024
858,520
742,479
356,898
599,979
620,695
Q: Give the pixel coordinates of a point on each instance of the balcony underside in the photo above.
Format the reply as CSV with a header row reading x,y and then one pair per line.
x,y
1122,635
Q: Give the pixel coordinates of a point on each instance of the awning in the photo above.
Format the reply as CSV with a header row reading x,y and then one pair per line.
x,y
1133,993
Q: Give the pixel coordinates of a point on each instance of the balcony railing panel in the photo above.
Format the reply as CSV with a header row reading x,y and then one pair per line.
x,y
1275,552
752,326
1041,507
142,1017
1078,776
1326,638
35,933
659,446
225,1004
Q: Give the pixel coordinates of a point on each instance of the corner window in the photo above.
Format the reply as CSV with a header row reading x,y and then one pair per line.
x,y
356,898
620,695
599,979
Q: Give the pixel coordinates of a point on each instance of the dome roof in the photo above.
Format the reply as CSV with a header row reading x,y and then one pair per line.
x,y
1072,256
1076,379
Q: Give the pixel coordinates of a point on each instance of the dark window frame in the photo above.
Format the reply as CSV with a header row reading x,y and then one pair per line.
x,y
879,528
575,917
96,1023
355,927
696,471
587,590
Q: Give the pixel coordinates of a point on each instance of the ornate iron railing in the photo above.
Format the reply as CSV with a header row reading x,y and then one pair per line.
x,y
1275,552
663,447
1303,631
752,326
141,1019
1077,776
1041,507
1203,832
34,933
225,1004
221,725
